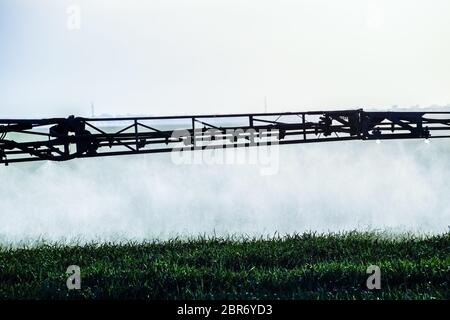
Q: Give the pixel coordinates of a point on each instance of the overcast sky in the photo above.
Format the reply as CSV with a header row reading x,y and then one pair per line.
x,y
219,56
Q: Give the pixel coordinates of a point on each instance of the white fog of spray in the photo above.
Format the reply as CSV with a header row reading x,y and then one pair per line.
x,y
395,186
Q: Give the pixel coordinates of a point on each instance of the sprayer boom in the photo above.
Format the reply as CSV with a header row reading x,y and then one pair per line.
x,y
61,139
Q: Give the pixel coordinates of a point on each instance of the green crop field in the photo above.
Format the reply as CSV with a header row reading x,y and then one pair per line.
x,y
307,266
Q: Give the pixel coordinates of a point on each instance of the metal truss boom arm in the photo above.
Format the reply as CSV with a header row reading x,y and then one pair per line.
x,y
62,139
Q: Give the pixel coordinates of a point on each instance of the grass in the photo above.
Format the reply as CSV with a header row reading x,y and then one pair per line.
x,y
307,266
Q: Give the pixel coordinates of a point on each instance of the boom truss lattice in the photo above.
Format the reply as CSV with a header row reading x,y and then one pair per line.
x,y
62,139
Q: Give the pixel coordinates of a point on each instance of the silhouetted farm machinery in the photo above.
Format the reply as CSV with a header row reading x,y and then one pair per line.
x,y
61,139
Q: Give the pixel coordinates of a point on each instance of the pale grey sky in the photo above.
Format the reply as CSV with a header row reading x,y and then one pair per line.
x,y
219,56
